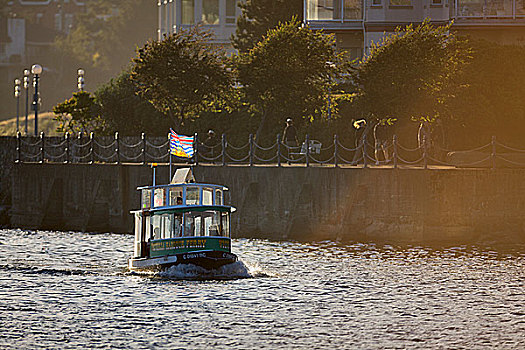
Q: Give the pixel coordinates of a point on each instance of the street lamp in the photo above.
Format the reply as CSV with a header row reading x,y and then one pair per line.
x,y
36,69
26,88
17,96
80,80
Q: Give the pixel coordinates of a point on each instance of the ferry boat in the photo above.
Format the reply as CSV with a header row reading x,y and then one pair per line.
x,y
183,222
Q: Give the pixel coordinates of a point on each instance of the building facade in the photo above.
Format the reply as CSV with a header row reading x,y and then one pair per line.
x,y
217,16
359,23
57,15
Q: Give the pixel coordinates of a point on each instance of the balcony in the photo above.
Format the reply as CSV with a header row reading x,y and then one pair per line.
x,y
334,10
475,10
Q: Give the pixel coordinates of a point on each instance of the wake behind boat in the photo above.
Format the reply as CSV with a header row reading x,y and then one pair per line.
x,y
182,223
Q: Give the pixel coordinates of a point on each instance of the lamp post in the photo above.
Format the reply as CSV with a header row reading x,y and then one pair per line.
x,y
17,96
80,80
36,69
26,88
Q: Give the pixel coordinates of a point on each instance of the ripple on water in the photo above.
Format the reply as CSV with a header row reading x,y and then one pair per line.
x,y
72,290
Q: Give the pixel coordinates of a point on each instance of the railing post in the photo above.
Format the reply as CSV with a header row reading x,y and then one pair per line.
x,y
425,159
493,154
195,149
278,150
79,152
223,141
335,150
250,142
143,136
91,147
363,145
18,147
67,147
307,140
42,145
117,147
394,143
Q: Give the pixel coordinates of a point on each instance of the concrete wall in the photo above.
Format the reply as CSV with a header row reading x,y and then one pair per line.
x,y
396,205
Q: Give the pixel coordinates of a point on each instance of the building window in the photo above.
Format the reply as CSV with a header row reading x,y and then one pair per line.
x,y
319,10
437,2
210,12
400,2
58,22
230,11
376,2
353,9
188,12
520,8
68,23
485,8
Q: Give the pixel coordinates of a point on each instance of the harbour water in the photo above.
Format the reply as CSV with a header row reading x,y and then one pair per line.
x,y
72,290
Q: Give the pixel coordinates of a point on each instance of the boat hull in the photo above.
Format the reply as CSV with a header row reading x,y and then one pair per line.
x,y
209,260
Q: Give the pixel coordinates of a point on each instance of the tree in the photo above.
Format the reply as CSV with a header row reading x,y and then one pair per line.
x,y
258,16
181,75
412,74
123,110
79,113
289,74
493,100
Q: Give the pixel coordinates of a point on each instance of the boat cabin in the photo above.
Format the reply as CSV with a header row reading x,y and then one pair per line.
x,y
180,211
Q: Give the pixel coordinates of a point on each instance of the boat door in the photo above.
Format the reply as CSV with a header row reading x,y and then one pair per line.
x,y
140,236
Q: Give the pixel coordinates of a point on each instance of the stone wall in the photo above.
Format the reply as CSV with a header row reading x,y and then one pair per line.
x,y
316,203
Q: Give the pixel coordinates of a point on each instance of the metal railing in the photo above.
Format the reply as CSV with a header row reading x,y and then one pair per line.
x,y
142,150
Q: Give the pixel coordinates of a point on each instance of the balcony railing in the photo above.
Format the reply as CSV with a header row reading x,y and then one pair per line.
x,y
334,10
502,9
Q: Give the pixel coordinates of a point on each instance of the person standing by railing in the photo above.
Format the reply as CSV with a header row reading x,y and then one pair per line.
x,y
290,138
210,143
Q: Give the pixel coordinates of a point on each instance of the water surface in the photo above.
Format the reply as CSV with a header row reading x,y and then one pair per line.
x,y
72,290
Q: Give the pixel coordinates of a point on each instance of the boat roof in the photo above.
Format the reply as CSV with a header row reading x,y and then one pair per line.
x,y
188,184
186,208
184,177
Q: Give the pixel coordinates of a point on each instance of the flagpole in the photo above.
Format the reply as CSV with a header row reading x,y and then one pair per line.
x,y
169,152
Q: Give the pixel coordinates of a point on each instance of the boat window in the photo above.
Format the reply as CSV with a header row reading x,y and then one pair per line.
x,y
225,224
160,197
146,199
177,226
167,225
218,197
207,196
192,196
212,223
155,226
188,225
176,196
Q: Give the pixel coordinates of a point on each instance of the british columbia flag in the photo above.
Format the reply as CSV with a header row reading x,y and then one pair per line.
x,y
181,145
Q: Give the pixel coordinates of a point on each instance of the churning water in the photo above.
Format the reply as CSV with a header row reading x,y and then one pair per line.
x,y
72,290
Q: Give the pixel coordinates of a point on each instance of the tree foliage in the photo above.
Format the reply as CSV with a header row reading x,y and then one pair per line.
x,y
79,114
258,16
123,110
493,100
181,75
412,74
289,74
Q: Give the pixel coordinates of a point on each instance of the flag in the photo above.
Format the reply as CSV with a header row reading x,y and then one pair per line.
x,y
180,145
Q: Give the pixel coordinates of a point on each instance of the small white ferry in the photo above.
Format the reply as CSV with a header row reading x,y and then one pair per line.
x,y
182,223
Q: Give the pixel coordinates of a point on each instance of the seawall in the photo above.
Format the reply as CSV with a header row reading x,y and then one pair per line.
x,y
315,203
